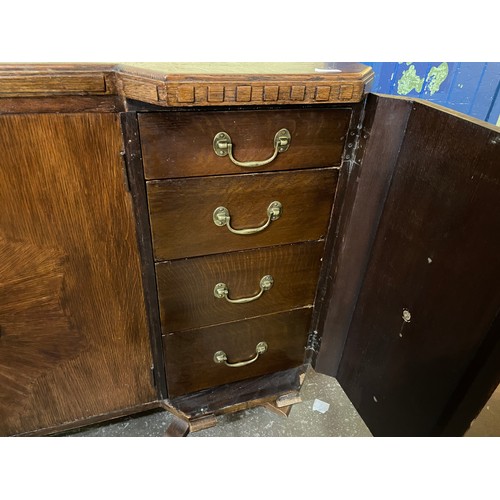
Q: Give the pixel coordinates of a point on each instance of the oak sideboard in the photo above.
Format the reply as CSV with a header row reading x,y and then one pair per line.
x,y
193,236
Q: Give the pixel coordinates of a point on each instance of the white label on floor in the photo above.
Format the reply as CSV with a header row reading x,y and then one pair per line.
x,y
320,406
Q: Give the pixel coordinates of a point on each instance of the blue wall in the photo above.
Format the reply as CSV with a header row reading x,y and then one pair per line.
x,y
472,88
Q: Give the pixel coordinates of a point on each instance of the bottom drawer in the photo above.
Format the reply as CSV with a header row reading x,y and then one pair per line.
x,y
190,354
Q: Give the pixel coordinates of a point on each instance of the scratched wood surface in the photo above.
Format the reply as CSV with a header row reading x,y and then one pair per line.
x,y
73,335
240,395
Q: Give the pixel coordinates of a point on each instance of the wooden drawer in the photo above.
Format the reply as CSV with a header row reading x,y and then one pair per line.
x,y
181,211
180,144
189,355
186,287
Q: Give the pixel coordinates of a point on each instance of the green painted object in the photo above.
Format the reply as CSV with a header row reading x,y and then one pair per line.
x,y
410,80
436,76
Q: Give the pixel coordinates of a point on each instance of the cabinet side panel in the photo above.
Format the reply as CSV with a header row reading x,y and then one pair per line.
x,y
368,175
430,292
73,335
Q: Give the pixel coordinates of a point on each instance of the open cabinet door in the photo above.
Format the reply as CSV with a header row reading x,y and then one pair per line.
x,y
412,330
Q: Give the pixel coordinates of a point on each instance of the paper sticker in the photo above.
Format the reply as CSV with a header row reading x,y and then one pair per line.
x,y
320,406
327,70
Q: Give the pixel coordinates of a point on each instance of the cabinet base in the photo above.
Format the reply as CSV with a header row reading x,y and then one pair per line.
x,y
197,411
181,427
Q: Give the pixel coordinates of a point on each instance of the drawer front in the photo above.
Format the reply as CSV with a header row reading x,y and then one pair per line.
x,y
190,361
186,287
182,211
181,144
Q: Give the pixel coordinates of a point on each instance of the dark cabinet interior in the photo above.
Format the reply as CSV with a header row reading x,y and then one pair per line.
x,y
427,297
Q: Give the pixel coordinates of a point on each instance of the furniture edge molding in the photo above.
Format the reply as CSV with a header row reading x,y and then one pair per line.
x,y
260,93
181,90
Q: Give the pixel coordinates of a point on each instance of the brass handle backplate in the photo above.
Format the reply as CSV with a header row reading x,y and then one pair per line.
x,y
221,291
222,217
224,147
221,356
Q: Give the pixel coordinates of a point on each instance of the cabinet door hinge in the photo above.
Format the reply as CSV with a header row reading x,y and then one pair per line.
x,y
313,341
126,180
356,140
312,347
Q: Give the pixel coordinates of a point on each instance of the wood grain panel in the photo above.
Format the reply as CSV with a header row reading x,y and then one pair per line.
x,y
181,211
65,104
189,355
436,254
73,340
180,144
63,84
35,333
186,287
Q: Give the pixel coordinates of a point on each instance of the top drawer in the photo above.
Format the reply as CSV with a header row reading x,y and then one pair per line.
x,y
181,144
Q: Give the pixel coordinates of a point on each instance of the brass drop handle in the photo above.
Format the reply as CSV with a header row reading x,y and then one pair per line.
x,y
223,147
222,217
221,356
221,291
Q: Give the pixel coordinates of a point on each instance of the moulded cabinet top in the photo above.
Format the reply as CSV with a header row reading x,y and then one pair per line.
x,y
193,84
264,69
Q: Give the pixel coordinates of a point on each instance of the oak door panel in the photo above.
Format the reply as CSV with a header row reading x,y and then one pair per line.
x,y
73,335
